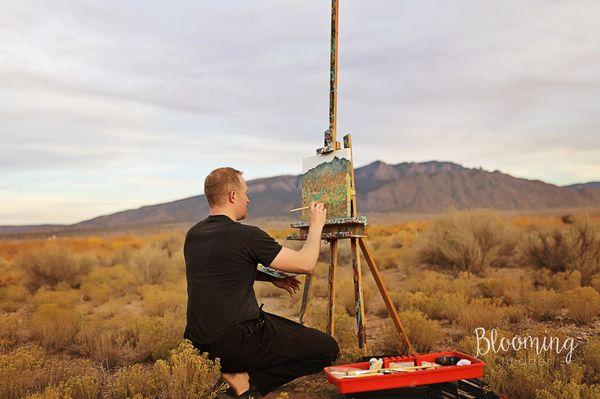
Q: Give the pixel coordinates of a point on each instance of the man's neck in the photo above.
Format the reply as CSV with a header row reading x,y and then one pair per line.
x,y
220,211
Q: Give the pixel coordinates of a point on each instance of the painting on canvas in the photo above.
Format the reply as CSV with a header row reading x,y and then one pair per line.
x,y
327,178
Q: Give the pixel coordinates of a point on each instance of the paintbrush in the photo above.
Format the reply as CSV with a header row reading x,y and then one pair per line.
x,y
299,209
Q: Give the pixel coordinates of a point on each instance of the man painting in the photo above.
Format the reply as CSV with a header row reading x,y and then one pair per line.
x,y
257,349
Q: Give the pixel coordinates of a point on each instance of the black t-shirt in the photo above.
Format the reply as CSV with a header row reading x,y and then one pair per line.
x,y
221,256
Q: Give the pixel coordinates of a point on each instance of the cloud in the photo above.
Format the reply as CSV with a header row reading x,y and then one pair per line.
x,y
138,101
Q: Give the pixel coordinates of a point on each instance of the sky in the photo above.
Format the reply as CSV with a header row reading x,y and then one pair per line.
x,y
111,105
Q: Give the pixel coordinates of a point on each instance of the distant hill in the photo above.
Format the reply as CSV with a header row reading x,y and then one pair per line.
x,y
424,187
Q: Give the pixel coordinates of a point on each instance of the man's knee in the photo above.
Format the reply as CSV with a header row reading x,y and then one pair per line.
x,y
329,347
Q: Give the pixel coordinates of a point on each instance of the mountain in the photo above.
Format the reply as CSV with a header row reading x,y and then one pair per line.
x,y
410,187
584,186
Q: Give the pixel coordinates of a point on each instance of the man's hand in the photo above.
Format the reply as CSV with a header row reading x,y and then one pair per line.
x,y
316,214
290,284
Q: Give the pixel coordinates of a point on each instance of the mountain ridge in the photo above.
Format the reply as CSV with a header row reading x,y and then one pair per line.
x,y
411,187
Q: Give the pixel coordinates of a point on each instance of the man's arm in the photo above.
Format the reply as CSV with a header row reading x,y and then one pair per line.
x,y
304,260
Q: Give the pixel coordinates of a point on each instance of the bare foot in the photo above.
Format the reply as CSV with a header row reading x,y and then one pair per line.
x,y
239,382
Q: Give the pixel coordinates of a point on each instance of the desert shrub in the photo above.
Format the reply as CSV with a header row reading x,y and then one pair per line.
x,y
151,265
185,374
568,390
482,312
80,387
574,248
54,327
345,335
53,264
64,297
103,283
445,306
12,297
527,374
28,370
422,332
595,282
9,326
171,243
158,300
582,304
515,313
509,289
591,359
125,340
466,241
544,304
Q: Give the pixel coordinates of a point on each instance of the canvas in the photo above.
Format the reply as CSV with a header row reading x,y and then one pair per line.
x,y
327,178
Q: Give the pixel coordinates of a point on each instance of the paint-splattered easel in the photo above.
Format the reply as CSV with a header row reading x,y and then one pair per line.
x,y
353,227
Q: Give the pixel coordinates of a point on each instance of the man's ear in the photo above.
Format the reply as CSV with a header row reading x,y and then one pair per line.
x,y
231,196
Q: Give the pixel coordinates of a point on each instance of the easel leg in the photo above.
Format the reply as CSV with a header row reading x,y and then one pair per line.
x,y
331,308
386,298
358,295
305,295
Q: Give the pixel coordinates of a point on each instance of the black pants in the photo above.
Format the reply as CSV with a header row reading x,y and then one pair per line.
x,y
273,350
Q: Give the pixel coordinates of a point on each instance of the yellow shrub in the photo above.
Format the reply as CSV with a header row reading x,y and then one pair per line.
x,y
505,288
61,297
28,370
574,248
484,312
52,264
9,325
13,297
185,374
53,327
128,382
159,300
568,390
103,283
151,265
544,304
80,387
125,340
423,333
591,359
445,306
582,304
466,241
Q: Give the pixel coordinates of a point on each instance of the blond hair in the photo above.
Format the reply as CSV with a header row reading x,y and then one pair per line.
x,y
219,183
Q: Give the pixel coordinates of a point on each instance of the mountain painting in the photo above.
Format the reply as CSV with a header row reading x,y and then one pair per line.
x,y
326,178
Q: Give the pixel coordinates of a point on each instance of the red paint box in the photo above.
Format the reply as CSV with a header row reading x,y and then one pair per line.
x,y
405,379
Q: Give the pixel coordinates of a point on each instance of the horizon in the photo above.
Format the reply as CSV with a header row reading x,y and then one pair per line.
x,y
268,177
109,106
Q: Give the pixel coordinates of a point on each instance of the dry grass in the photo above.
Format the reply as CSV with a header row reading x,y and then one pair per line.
x,y
119,304
422,332
54,327
185,374
574,248
28,370
582,304
544,304
151,265
53,264
467,241
484,312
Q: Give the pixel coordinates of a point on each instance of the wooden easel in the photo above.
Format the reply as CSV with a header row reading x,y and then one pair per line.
x,y
352,228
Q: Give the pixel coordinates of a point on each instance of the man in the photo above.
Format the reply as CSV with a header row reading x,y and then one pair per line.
x,y
223,317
